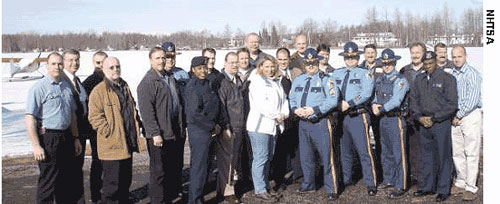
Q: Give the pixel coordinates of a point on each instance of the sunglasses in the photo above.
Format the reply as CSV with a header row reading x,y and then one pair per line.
x,y
352,58
315,63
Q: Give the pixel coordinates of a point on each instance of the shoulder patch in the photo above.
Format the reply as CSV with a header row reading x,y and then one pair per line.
x,y
401,84
332,91
331,83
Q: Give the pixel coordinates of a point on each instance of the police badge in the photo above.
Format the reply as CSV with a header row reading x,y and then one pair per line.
x,y
401,84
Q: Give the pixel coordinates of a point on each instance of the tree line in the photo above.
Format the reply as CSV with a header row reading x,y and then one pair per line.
x,y
407,27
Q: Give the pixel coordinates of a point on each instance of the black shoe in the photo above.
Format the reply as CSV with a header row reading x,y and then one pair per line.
x,y
266,197
372,191
232,199
304,191
397,193
442,197
332,196
384,186
422,193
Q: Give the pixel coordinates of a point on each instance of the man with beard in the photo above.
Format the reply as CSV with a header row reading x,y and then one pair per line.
x,y
433,103
410,71
297,58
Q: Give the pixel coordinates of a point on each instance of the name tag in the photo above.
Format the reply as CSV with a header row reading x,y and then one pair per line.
x,y
299,89
316,89
355,81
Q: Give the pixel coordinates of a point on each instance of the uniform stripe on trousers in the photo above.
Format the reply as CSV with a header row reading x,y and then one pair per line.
x,y
369,149
401,133
334,177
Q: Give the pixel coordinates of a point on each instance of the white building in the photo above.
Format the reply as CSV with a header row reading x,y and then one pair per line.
x,y
386,39
451,40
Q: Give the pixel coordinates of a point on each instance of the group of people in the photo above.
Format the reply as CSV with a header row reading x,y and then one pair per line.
x,y
265,119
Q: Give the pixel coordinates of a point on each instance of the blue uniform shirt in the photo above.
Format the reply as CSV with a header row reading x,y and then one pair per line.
x,y
52,103
359,86
390,90
180,75
322,93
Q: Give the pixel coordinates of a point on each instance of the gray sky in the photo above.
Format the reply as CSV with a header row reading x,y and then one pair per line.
x,y
162,16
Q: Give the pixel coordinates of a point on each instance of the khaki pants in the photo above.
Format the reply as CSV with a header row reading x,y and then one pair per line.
x,y
466,140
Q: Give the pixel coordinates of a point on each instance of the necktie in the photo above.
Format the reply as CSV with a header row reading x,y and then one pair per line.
x,y
344,84
237,80
306,90
76,80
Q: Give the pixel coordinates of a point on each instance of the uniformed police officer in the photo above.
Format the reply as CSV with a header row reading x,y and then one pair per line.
x,y
356,90
390,92
433,103
313,95
202,115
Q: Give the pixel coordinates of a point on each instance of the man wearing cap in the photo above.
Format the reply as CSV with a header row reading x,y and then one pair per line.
x,y
297,58
467,125
313,95
390,92
355,93
203,118
252,44
162,113
181,76
52,129
442,60
112,113
433,103
410,71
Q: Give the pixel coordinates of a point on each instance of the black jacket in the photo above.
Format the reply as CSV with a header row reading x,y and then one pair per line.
x,y
435,97
153,98
232,103
202,105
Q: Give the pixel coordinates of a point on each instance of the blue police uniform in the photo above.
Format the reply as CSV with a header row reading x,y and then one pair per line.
x,y
319,92
356,89
390,92
435,96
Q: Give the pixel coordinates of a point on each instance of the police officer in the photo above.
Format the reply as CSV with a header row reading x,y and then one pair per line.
x,y
390,92
355,93
433,103
202,115
179,74
313,95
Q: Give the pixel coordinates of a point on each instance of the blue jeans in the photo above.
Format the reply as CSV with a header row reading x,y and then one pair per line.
x,y
263,150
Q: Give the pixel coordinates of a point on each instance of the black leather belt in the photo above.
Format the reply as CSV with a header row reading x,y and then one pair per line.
x,y
44,130
393,114
356,112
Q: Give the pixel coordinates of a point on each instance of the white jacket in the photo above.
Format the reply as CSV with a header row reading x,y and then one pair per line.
x,y
267,102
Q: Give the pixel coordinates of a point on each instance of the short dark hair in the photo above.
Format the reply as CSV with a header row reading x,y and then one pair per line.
x,y
155,49
323,47
228,54
100,53
440,45
72,52
283,49
208,49
422,45
243,49
370,46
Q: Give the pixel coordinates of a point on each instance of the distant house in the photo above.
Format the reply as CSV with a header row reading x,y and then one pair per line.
x,y
385,39
451,40
236,42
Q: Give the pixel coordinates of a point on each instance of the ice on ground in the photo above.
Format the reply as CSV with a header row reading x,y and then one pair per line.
x,y
134,65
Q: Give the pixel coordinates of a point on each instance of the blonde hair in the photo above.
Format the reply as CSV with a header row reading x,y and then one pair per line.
x,y
264,58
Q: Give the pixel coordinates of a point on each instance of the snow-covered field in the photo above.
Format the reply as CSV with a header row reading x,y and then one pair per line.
x,y
134,65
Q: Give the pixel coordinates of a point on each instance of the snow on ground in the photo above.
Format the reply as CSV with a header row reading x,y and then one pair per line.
x,y
134,65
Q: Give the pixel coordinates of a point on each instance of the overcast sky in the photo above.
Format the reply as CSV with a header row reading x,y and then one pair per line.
x,y
162,16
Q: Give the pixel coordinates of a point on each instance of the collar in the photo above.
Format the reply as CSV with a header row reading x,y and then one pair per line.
x,y
462,70
51,80
394,72
69,75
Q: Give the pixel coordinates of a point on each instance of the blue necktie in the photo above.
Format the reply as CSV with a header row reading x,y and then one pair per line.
x,y
306,90
344,85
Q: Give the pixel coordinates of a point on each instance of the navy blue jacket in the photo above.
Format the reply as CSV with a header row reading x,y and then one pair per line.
x,y
202,105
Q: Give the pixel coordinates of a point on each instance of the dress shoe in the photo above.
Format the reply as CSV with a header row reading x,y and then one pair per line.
x,y
397,193
266,197
304,191
422,193
442,197
384,186
372,191
455,190
332,196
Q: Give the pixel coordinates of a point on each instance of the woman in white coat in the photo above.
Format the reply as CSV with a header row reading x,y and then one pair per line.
x,y
268,110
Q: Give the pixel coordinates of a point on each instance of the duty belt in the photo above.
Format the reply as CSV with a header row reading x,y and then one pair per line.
x,y
356,111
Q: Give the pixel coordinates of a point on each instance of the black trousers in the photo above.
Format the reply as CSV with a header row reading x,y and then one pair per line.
x,y
55,170
165,166
77,174
199,144
414,151
117,177
95,171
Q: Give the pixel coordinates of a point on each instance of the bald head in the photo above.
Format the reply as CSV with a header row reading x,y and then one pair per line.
x,y
301,43
112,69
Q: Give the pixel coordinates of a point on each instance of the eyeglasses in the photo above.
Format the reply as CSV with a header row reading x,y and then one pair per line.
x,y
315,63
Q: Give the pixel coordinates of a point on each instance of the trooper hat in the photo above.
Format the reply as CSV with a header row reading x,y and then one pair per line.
x,y
198,60
311,55
169,48
350,50
429,55
388,56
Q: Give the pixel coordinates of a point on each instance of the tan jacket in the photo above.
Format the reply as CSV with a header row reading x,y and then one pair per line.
x,y
105,117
